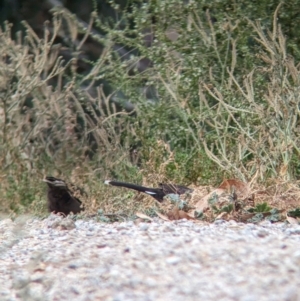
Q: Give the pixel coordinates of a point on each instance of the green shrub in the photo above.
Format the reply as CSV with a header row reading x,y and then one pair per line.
x,y
225,98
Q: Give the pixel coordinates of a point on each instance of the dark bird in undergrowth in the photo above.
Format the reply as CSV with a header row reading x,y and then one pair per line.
x,y
157,193
60,198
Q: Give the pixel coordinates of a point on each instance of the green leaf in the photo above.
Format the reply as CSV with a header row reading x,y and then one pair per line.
x,y
256,218
262,207
294,213
199,214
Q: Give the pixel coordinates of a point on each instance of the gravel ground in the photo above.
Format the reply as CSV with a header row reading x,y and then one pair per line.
x,y
58,259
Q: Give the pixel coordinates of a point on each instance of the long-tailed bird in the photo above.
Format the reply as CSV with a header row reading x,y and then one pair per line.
x,y
157,193
60,198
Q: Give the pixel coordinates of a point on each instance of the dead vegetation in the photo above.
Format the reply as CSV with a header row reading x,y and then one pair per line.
x,y
232,200
231,124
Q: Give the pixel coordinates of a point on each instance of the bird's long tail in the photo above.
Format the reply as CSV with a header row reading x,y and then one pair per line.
x,y
131,186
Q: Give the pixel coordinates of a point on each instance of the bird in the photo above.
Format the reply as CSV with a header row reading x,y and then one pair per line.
x,y
60,198
157,193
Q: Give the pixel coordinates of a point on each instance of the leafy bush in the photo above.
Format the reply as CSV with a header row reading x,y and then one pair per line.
x,y
219,96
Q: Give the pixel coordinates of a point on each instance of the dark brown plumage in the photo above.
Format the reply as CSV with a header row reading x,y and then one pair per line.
x,y
60,198
157,193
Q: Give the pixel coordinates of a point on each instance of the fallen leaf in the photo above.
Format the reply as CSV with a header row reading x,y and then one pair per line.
x,y
292,220
222,215
202,205
241,188
183,214
143,216
139,220
176,214
173,214
165,218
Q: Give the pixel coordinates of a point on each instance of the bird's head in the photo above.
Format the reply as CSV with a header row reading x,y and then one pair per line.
x,y
54,182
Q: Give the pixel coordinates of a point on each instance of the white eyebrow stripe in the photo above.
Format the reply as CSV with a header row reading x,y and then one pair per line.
x,y
150,192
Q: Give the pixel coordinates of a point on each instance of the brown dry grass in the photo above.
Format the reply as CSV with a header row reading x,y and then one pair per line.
x,y
48,114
